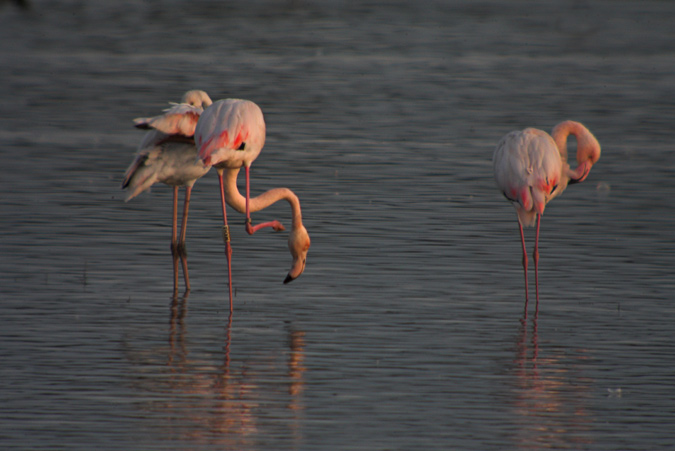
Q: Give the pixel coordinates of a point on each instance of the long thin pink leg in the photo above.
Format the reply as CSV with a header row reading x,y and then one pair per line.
x,y
226,236
174,244
535,256
248,195
182,250
251,229
186,207
522,240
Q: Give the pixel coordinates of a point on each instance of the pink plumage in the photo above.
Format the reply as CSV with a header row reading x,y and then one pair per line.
x,y
181,118
230,135
528,171
531,169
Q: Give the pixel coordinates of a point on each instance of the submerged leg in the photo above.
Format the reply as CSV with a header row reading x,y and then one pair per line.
x,y
226,236
522,240
251,229
182,250
535,256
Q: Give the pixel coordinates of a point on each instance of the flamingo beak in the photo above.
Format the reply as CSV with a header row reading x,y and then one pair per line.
x,y
297,269
580,173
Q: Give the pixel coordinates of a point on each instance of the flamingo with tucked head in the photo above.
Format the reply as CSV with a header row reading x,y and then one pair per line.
x,y
167,154
531,169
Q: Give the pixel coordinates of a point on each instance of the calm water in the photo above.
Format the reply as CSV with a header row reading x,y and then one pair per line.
x,y
406,330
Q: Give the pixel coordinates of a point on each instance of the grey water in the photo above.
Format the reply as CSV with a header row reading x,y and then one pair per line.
x,y
407,329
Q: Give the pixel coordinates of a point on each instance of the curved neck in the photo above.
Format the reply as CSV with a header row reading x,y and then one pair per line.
x,y
561,132
588,148
235,200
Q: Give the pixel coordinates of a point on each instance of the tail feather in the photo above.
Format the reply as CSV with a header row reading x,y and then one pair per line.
x,y
139,176
140,181
143,123
131,170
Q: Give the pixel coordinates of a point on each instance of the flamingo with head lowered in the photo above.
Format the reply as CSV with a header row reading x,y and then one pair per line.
x,y
230,135
531,169
167,154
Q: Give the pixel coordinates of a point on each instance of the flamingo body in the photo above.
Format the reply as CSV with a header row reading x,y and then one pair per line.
x,y
173,162
230,133
167,153
528,169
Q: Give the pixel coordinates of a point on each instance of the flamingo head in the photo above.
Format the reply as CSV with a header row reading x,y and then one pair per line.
x,y
298,244
197,98
588,153
588,148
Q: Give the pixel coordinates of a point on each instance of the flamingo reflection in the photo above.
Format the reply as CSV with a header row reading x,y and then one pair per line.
x,y
225,397
296,370
550,397
218,400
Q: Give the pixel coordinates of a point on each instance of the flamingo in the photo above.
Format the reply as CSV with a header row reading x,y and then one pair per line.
x,y
167,154
230,135
531,169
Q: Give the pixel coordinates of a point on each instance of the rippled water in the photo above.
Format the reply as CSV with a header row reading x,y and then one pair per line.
x,y
406,330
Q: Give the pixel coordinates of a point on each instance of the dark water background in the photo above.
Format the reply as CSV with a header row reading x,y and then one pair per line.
x,y
405,331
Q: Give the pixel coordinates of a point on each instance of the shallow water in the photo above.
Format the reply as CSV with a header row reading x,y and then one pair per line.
x,y
406,330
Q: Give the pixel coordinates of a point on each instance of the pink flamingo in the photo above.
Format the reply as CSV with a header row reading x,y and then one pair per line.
x,y
531,169
230,134
167,154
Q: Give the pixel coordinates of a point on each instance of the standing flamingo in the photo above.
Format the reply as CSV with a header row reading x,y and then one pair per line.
x,y
531,169
230,134
167,154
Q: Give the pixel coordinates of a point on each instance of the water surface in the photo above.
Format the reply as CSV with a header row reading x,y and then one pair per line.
x,y
407,329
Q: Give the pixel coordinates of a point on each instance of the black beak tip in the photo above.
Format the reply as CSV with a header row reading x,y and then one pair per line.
x,y
288,279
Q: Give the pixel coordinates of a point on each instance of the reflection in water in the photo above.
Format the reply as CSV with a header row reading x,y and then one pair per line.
x,y
178,250
550,399
296,371
208,402
228,400
177,326
179,254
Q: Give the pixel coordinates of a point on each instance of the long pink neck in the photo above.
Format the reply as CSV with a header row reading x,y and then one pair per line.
x,y
238,202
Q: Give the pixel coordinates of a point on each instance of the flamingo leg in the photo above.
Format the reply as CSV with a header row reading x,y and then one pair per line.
x,y
226,236
535,257
248,197
251,229
522,240
174,244
182,250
